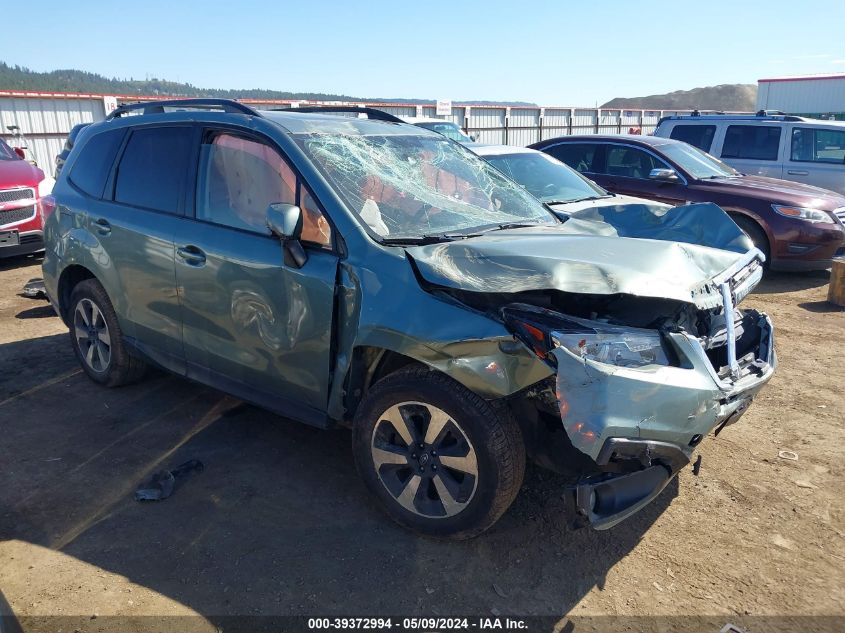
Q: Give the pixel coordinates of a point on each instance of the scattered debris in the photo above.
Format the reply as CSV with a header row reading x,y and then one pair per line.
x,y
429,590
34,289
802,483
790,455
696,467
731,628
499,590
670,573
163,482
657,586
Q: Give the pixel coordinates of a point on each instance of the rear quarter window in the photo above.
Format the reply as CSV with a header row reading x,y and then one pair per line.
x,y
92,166
153,171
701,136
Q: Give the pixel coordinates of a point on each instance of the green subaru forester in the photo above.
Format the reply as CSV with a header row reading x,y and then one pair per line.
x,y
347,268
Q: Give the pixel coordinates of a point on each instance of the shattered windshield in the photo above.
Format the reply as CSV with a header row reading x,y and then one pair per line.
x,y
546,178
409,186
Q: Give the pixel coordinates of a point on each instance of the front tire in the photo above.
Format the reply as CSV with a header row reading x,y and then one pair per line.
x,y
440,459
757,235
97,339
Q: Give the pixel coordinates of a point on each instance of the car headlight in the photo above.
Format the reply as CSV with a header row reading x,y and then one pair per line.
x,y
544,330
803,213
622,347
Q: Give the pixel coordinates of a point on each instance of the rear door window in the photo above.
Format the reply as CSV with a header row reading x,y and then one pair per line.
x,y
153,171
631,162
753,142
91,169
818,146
701,136
579,156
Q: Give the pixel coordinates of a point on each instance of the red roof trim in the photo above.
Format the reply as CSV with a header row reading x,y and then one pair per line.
x,y
800,78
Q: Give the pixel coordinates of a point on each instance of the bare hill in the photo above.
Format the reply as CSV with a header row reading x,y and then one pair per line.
x,y
726,97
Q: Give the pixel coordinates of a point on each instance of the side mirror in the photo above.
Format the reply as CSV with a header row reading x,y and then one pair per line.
x,y
21,154
667,175
285,222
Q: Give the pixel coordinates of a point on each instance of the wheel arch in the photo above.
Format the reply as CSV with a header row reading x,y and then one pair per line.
x,y
69,278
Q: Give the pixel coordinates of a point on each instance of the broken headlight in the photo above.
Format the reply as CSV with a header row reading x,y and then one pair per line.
x,y
544,330
624,347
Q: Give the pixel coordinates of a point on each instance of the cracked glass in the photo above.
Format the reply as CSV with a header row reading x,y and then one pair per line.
x,y
414,186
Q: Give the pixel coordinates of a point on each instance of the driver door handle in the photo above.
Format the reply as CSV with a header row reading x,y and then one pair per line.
x,y
797,172
191,255
102,226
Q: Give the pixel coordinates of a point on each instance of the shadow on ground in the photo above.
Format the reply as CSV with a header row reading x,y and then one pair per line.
x,y
278,522
776,283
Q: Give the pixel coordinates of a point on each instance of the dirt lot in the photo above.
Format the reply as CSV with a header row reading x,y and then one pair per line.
x,y
278,523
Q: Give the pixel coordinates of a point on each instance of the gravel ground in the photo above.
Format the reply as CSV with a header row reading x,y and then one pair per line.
x,y
279,524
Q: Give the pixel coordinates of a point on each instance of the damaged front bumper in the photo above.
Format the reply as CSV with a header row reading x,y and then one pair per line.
x,y
641,425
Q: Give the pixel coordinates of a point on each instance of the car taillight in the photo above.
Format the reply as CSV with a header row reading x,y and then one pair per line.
x,y
48,205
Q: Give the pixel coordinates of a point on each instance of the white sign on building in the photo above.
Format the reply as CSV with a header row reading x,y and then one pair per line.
x,y
444,107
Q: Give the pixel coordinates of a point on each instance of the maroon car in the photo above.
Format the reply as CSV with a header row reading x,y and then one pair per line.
x,y
797,226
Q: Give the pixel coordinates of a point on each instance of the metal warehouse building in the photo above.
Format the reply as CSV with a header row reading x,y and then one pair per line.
x,y
817,96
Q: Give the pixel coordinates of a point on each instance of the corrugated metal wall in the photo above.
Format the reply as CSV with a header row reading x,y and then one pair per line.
x,y
45,123
803,96
45,120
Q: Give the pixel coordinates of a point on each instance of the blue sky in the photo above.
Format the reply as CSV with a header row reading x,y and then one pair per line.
x,y
552,53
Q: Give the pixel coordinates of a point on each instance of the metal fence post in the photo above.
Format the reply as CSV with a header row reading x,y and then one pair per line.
x,y
507,123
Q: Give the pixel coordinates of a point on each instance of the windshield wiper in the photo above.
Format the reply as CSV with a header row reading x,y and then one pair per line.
x,y
514,225
420,240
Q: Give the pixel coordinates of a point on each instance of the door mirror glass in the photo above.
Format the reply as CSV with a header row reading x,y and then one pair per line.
x,y
668,175
285,220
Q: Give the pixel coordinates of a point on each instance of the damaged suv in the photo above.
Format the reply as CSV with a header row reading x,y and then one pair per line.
x,y
364,272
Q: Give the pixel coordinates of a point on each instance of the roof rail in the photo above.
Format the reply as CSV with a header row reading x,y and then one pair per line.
x,y
157,107
732,117
372,113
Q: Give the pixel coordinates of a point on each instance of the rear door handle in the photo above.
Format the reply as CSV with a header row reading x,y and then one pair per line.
x,y
103,226
191,255
797,172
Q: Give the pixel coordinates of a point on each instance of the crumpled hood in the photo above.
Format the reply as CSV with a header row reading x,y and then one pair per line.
x,y
549,257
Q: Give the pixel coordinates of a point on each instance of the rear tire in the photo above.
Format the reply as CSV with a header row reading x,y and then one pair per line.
x,y
440,459
97,339
757,235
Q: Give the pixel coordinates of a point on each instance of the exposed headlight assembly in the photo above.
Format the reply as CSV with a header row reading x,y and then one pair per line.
x,y
803,213
544,330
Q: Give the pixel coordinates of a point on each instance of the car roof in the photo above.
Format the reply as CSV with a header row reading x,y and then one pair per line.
x,y
501,150
313,123
652,141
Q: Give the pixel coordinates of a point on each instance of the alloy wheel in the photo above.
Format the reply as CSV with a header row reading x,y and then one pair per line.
x,y
92,335
424,459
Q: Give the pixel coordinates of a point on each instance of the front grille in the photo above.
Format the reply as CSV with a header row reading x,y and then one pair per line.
x,y
840,214
10,195
17,215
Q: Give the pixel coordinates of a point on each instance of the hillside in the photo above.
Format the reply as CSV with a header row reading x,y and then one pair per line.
x,y
20,78
742,97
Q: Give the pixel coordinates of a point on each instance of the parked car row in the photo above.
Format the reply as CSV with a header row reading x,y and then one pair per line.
x,y
365,272
797,227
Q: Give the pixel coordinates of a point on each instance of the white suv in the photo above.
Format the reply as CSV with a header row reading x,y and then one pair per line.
x,y
779,146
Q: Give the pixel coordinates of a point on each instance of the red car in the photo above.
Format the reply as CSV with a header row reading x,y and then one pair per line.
x,y
21,215
796,226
